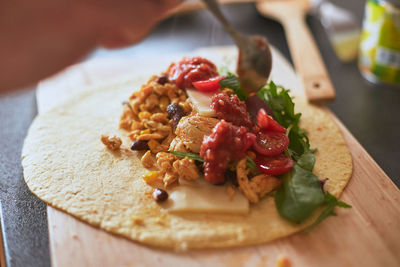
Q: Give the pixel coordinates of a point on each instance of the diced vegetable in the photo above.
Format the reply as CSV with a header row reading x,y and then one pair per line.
x,y
151,176
209,85
266,122
274,165
271,143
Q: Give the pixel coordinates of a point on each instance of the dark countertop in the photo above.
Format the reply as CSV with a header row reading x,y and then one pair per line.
x,y
369,111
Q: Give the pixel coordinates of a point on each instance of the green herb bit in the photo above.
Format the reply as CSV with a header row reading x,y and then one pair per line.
x,y
251,164
331,202
232,82
192,156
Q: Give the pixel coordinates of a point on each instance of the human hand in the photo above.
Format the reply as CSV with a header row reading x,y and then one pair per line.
x,y
39,38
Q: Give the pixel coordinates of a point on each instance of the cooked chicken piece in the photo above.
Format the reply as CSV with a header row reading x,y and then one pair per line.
x,y
186,169
264,184
126,118
244,185
170,178
165,160
192,129
258,186
177,145
111,143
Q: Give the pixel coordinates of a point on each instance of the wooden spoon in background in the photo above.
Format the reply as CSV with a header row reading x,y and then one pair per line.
x,y
306,57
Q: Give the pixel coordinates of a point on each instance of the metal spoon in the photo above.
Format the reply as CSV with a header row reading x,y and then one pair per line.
x,y
255,60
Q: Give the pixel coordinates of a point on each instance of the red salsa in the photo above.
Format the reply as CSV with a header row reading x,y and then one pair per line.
x,y
230,108
190,70
226,143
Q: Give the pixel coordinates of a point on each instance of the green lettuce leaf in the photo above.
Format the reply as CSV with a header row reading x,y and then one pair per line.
x,y
331,202
232,82
299,195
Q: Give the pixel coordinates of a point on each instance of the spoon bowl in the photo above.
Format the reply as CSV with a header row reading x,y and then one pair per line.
x,y
254,61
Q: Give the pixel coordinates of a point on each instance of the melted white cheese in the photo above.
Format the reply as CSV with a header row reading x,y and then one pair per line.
x,y
201,102
202,197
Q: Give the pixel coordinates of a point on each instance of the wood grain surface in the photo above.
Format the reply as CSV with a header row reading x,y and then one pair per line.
x,y
366,235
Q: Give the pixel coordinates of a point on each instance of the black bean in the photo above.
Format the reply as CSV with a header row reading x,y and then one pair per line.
x,y
174,110
139,145
231,175
175,113
160,195
163,79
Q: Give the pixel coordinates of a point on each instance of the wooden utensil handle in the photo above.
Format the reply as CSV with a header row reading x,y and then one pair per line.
x,y
307,59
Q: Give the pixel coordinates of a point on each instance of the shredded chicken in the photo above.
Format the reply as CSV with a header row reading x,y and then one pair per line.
x,y
258,186
170,178
244,185
127,117
165,160
177,145
192,129
186,169
265,184
112,143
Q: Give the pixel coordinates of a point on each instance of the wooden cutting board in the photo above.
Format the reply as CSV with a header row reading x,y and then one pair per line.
x,y
366,235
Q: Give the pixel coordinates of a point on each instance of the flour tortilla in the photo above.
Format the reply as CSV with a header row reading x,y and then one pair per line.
x,y
67,166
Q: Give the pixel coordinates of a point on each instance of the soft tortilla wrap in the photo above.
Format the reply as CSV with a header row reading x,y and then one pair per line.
x,y
67,166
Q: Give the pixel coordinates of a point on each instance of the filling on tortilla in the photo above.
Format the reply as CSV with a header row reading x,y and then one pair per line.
x,y
191,123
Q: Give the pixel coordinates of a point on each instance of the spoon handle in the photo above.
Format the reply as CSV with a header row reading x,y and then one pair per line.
x,y
213,7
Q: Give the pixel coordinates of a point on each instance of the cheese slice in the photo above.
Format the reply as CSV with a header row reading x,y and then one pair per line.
x,y
202,197
201,102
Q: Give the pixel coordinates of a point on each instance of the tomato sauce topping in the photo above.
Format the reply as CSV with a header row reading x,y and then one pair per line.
x,y
230,108
225,144
190,70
